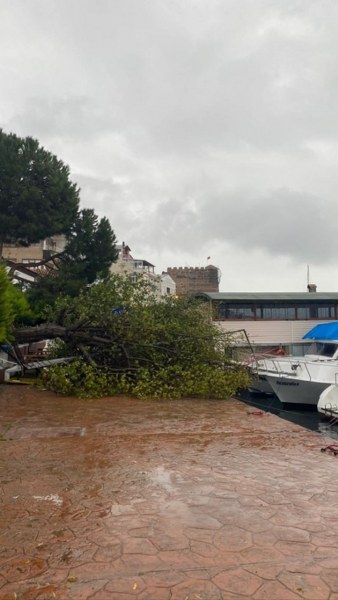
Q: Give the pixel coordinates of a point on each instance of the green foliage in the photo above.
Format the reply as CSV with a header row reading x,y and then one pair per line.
x,y
20,309
196,381
14,308
147,347
90,251
80,379
37,199
5,307
91,246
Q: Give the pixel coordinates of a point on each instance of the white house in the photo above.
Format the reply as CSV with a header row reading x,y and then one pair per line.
x,y
126,264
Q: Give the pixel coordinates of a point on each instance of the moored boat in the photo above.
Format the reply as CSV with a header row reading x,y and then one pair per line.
x,y
328,402
301,380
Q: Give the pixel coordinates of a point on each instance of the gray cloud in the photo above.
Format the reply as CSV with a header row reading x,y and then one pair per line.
x,y
281,222
191,125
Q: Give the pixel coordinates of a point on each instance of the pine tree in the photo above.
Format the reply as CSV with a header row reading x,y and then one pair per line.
x,y
37,198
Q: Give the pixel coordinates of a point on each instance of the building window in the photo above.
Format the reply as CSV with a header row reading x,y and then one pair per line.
x,y
326,312
238,311
303,312
274,312
278,312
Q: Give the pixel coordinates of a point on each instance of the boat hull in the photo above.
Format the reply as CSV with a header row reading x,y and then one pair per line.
x,y
328,402
261,384
297,391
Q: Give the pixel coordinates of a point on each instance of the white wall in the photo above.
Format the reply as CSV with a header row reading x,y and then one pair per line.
x,y
271,332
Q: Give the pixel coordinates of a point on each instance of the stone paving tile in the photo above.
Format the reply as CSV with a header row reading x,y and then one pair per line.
x,y
148,500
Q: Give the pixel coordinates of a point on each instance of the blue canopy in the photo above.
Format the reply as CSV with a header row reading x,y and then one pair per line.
x,y
324,331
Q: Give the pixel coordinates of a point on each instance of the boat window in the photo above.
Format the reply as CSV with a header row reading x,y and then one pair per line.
x,y
323,349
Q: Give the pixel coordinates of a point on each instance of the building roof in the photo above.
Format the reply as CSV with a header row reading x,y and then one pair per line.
x,y
268,296
144,262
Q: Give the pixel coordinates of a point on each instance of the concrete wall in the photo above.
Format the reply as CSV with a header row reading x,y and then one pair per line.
x,y
34,252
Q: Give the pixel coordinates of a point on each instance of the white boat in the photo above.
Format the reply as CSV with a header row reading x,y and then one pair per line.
x,y
328,402
302,379
267,364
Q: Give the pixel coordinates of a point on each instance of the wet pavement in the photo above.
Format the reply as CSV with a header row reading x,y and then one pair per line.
x,y
184,500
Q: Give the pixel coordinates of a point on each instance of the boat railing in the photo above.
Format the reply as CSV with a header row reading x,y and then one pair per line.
x,y
331,411
287,366
270,363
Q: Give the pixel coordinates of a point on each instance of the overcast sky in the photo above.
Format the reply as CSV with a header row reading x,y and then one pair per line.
x,y
198,127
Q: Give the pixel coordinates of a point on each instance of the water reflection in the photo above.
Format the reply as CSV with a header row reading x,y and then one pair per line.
x,y
329,430
306,416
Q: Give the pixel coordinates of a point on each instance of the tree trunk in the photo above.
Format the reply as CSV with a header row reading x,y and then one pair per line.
x,y
39,333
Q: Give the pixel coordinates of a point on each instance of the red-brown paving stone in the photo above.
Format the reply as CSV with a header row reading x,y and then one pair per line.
x,y
107,553
295,548
275,590
311,587
23,567
232,539
310,568
166,579
204,549
331,579
265,571
265,539
238,581
191,500
138,546
196,590
151,593
127,585
258,554
329,540
292,534
201,535
329,563
104,595
323,552
162,541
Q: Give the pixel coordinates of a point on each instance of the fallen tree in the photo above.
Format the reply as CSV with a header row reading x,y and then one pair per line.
x,y
123,336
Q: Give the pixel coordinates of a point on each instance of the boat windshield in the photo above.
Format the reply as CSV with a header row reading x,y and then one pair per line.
x,y
323,349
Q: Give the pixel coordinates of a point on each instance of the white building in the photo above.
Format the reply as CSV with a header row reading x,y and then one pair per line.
x,y
126,264
274,318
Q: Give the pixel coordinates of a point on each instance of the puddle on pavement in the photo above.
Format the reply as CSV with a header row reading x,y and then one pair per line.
x,y
162,477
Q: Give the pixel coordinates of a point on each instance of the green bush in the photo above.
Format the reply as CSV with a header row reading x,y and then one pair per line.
x,y
81,379
197,381
84,380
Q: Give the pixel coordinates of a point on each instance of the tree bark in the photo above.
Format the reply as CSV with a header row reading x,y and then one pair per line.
x,y
39,333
